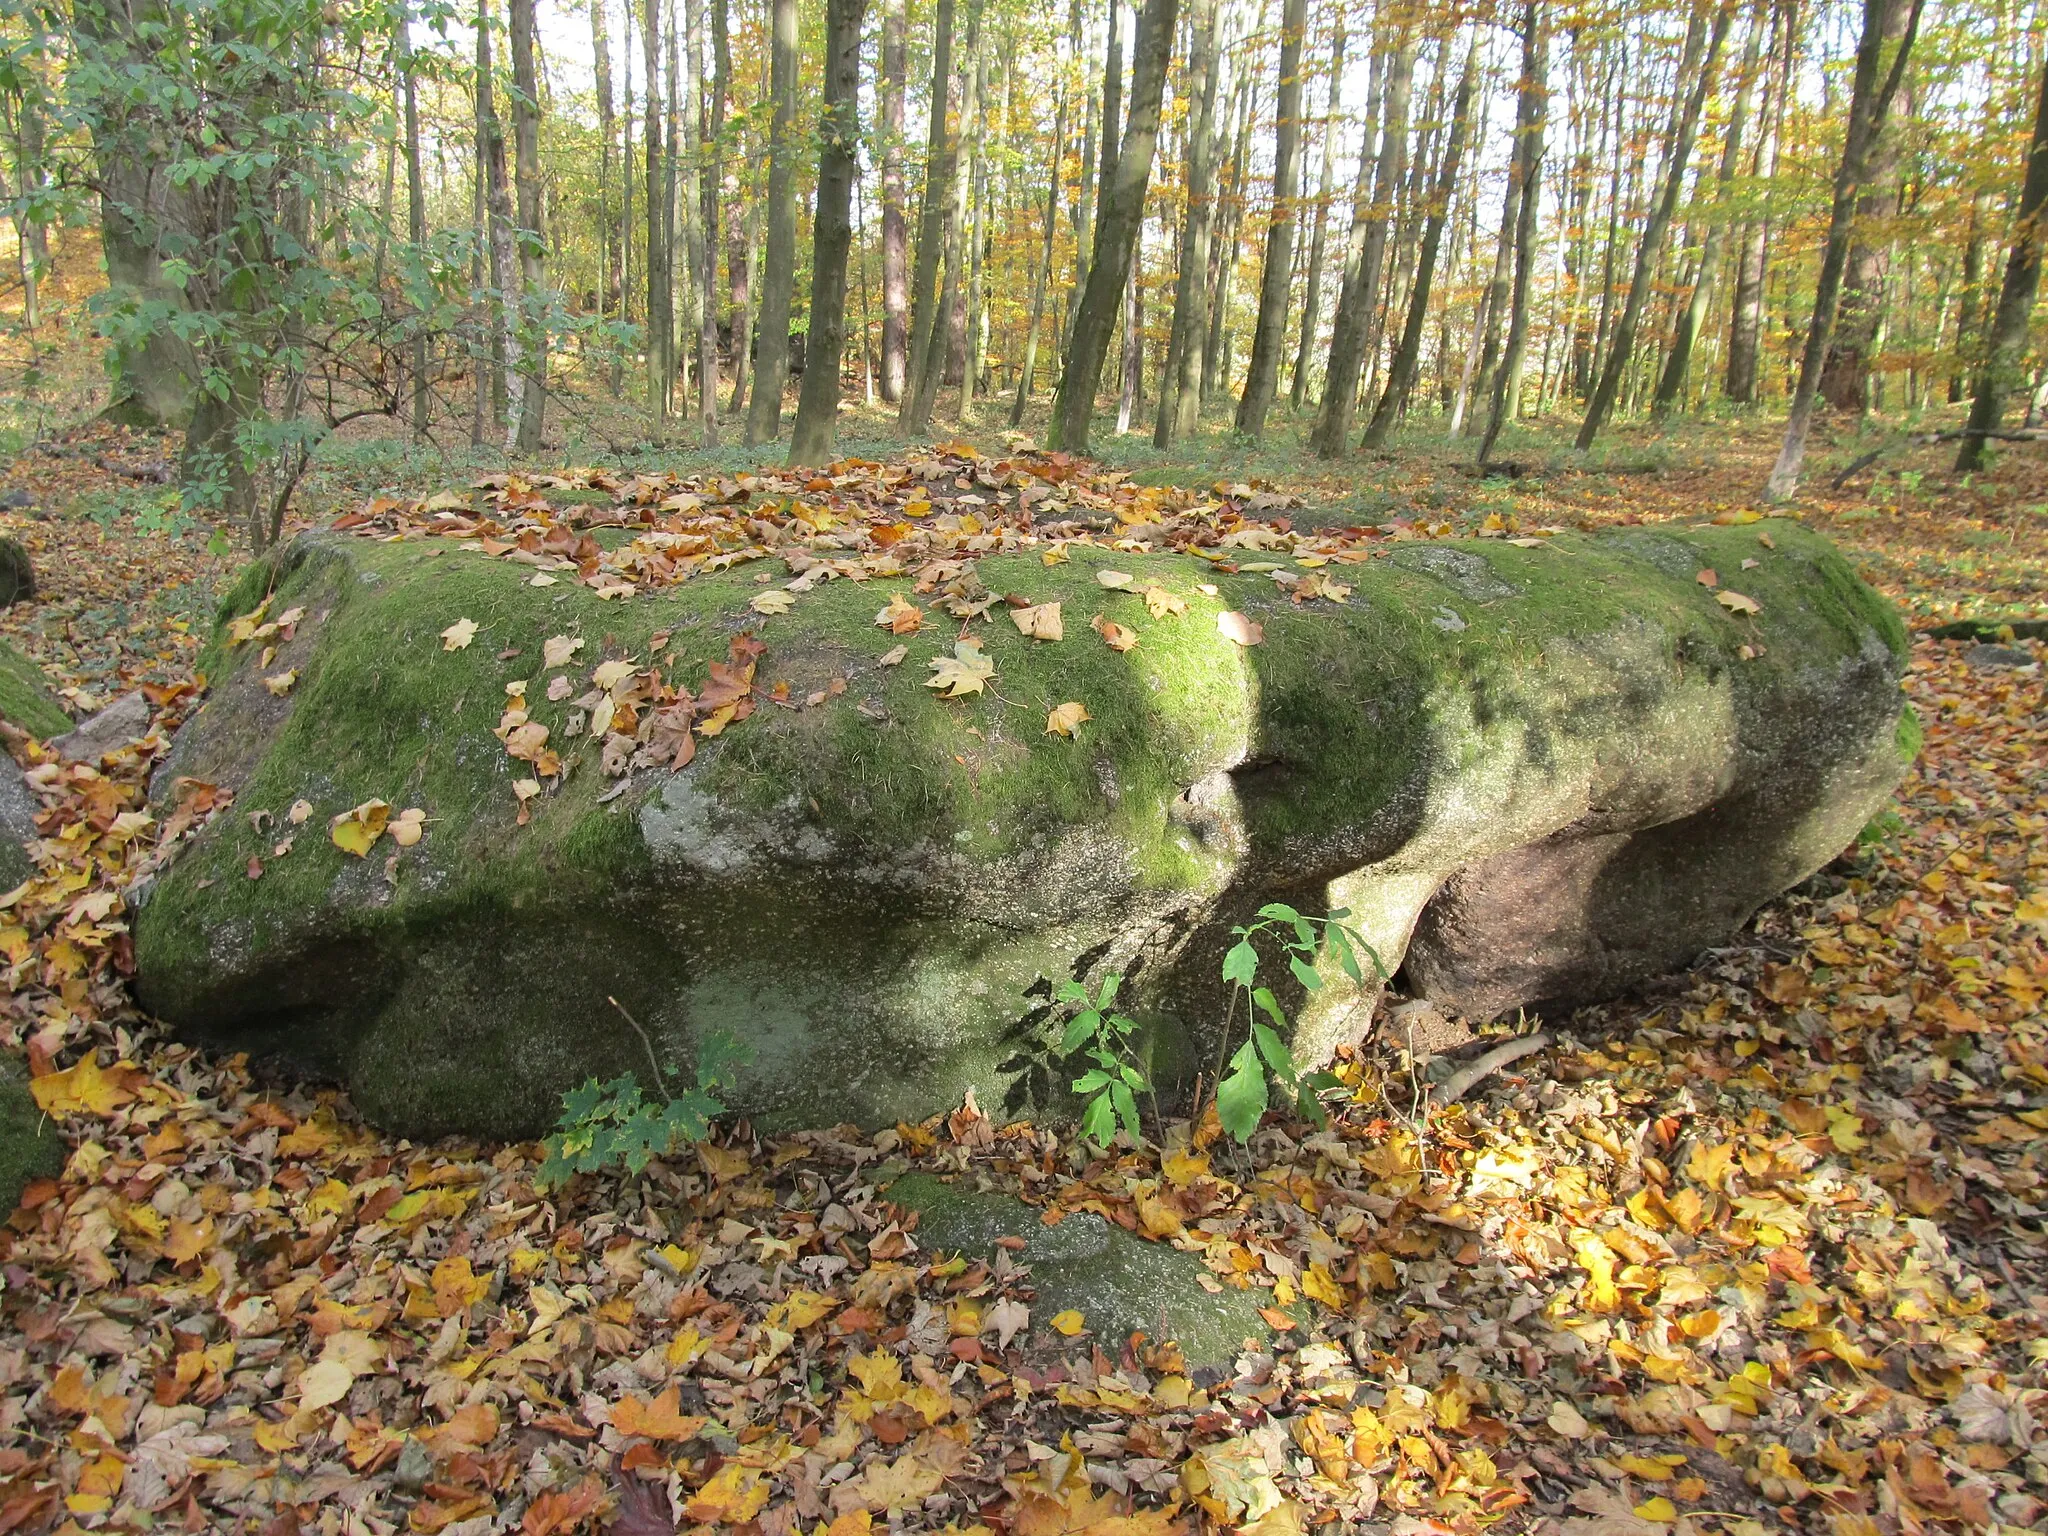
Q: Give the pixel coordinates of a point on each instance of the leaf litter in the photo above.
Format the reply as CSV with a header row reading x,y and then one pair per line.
x,y
1759,1249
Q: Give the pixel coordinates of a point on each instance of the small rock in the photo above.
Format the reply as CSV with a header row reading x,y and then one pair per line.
x,y
18,807
413,1469
17,573
115,726
1987,658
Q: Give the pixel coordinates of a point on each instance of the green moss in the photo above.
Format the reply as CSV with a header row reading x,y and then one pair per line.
x,y
30,1147
1119,1282
25,697
1911,735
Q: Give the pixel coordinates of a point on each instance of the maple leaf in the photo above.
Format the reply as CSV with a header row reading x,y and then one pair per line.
x,y
655,1420
774,600
901,617
1238,629
1008,1318
559,650
281,683
1163,604
1039,622
1065,720
85,1088
1735,602
966,671
458,635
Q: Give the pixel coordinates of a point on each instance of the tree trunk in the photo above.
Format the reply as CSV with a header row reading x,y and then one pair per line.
x,y
523,429
1041,276
1223,255
710,175
2008,338
1269,332
660,276
930,369
1870,104
1692,315
415,215
1312,298
1845,375
1528,171
1116,231
1746,321
601,52
817,406
778,267
1180,395
1365,250
1401,376
895,229
1685,125
931,223
1970,305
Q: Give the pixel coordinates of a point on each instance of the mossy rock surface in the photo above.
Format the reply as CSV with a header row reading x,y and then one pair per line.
x,y
878,894
25,696
30,1147
1119,1282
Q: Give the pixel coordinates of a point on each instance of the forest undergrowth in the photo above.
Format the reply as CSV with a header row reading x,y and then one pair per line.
x,y
1759,1248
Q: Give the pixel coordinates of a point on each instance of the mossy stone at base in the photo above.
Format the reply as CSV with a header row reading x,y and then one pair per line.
x,y
1119,1282
26,699
30,1147
1585,765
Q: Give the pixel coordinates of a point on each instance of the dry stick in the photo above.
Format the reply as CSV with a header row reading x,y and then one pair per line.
x,y
652,1060
1463,1082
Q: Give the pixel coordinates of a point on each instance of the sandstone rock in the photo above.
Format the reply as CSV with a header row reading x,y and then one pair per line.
x,y
1599,767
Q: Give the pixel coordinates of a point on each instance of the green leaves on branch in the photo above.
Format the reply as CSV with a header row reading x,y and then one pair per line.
x,y
1110,1087
1263,1060
607,1125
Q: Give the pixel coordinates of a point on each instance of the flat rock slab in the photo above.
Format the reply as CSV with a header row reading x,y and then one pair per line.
x,y
1535,775
1119,1282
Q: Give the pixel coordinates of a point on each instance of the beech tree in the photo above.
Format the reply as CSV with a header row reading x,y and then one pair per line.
x,y
817,411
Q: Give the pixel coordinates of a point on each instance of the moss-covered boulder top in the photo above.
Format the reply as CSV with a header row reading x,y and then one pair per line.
x,y
862,767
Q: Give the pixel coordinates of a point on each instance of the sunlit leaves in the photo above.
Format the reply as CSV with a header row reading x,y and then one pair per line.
x,y
967,671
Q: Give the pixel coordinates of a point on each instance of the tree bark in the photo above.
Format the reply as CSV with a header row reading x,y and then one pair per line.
x,y
817,407
660,275
1529,114
1116,231
895,228
1312,297
1366,249
415,213
1180,395
710,175
1684,127
778,266
1269,332
931,223
1746,320
1401,376
2009,322
523,429
1870,102
1041,276
929,370
1845,375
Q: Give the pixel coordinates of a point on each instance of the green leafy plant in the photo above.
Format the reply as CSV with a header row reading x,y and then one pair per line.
x,y
604,1125
1264,1060
1110,1087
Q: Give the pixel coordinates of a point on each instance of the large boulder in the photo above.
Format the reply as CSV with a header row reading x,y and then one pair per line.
x,y
1537,773
27,704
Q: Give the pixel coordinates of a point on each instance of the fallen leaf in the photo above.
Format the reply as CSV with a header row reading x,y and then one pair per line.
x,y
1066,720
323,1383
901,617
281,683
1039,622
1162,603
967,670
407,825
356,831
1735,602
458,635
774,600
558,650
894,655
1114,635
1238,629
1069,1322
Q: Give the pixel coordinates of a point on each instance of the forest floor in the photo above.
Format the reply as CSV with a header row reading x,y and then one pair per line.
x,y
1759,1248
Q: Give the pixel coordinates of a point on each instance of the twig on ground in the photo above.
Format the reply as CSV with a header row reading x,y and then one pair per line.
x,y
1462,1082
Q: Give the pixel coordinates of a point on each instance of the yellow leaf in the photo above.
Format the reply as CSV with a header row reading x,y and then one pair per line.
x,y
1069,1322
357,831
458,635
324,1383
657,1420
1568,1421
733,1496
559,650
1659,1508
85,1089
1040,622
966,671
1066,720
1116,581
773,601
281,684
1320,1285
1162,603
1735,602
